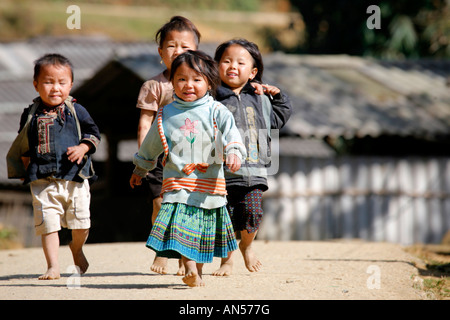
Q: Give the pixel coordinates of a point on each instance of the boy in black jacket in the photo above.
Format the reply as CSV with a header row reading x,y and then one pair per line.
x,y
61,136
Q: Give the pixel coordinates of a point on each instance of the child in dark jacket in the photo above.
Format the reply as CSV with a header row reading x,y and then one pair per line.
x,y
240,67
61,137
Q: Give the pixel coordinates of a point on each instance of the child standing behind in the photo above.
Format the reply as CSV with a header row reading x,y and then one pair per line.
x,y
240,66
173,38
192,133
61,138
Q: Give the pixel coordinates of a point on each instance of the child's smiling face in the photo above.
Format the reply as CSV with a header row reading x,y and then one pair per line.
x,y
236,67
53,84
189,85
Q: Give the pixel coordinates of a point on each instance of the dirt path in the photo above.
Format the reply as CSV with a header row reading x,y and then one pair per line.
x,y
292,271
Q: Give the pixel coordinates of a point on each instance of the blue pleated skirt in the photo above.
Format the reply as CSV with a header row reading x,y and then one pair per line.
x,y
195,233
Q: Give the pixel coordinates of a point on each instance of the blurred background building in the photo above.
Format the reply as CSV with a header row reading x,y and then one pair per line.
x,y
366,153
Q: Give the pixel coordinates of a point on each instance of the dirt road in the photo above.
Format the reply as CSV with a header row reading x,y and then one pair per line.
x,y
291,271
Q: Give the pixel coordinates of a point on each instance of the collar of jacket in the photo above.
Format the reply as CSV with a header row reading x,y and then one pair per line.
x,y
59,109
46,108
181,104
223,91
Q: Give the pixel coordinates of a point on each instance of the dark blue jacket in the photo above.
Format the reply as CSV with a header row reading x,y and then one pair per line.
x,y
248,114
48,150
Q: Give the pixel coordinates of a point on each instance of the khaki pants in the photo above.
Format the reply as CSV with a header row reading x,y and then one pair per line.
x,y
60,203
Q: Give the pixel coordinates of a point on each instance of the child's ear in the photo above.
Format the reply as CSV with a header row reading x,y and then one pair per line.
x,y
253,73
35,85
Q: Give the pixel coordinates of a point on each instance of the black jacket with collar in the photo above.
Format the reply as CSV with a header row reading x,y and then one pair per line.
x,y
248,114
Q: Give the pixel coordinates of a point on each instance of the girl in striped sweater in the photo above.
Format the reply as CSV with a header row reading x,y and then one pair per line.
x,y
195,133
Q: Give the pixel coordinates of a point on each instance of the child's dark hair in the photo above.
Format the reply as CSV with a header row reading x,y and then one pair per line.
x,y
177,23
201,63
51,59
251,47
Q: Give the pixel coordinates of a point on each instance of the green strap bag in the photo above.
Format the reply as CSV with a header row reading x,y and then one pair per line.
x,y
19,147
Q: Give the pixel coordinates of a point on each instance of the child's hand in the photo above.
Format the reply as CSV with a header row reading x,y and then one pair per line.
x,y
265,88
233,162
258,87
135,180
272,90
76,153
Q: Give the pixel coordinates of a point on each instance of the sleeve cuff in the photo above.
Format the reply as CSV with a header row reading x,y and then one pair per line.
x,y
235,151
141,172
93,140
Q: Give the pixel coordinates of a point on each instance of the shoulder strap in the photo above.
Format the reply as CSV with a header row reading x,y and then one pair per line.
x,y
162,136
32,110
70,105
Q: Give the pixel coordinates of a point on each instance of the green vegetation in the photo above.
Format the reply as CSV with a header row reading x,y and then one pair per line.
x,y
8,238
434,269
121,20
229,5
407,29
439,287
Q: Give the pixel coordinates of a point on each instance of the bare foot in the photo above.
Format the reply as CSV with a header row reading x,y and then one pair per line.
x,y
224,270
251,261
51,274
181,269
192,279
159,265
79,259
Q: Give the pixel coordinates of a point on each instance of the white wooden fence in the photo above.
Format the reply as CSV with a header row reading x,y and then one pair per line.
x,y
400,200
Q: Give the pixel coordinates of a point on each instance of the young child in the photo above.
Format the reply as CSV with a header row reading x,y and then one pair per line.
x,y
176,36
193,133
61,138
240,67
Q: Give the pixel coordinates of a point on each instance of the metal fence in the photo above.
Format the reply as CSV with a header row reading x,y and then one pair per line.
x,y
399,200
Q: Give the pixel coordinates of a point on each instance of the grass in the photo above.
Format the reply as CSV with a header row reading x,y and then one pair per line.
x,y
8,238
434,269
439,287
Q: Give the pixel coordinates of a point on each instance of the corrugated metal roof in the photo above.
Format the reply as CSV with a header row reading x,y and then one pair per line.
x,y
351,96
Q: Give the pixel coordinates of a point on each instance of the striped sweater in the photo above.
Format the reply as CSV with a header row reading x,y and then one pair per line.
x,y
195,137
